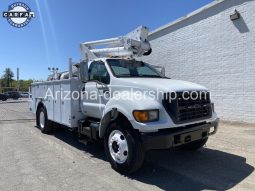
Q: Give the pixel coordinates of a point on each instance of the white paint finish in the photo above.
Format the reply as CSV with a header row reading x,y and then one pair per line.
x,y
125,102
91,104
49,103
57,102
164,85
209,49
66,106
68,112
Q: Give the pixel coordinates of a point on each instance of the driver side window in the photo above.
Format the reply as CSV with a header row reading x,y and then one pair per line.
x,y
98,72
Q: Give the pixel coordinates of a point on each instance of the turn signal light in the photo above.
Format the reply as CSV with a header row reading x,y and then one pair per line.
x,y
146,115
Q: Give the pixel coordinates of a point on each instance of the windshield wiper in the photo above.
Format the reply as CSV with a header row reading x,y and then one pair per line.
x,y
139,76
124,75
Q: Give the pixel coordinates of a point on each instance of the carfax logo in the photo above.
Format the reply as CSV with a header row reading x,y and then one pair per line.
x,y
18,14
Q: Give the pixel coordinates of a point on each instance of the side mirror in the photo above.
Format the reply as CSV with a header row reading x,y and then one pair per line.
x,y
160,69
105,79
163,71
84,73
101,86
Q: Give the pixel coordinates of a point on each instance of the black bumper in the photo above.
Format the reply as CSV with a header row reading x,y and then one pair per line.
x,y
174,137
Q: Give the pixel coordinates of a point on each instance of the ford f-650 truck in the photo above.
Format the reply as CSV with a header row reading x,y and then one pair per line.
x,y
128,104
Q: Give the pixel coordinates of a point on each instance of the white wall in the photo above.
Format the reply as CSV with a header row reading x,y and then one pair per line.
x,y
210,49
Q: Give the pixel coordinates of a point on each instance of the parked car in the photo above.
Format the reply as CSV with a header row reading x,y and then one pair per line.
x,y
3,97
13,95
24,94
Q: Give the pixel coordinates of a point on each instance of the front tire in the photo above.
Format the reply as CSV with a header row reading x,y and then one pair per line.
x,y
42,120
123,147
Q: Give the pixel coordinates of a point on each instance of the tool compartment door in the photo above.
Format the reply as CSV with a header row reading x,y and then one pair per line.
x,y
57,103
49,102
66,104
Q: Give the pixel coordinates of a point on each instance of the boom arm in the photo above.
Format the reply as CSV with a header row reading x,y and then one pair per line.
x,y
133,44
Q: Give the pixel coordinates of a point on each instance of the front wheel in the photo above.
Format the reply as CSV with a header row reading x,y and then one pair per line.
x,y
123,148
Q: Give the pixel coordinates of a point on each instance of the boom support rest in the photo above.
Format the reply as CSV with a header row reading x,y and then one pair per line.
x,y
134,43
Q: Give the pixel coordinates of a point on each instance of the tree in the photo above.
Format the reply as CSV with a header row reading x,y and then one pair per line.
x,y
25,84
7,83
8,77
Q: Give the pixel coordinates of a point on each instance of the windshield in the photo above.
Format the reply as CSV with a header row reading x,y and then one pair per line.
x,y
132,68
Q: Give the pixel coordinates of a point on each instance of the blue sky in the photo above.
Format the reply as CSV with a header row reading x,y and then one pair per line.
x,y
60,26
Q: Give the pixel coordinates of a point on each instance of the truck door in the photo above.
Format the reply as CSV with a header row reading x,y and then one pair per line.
x,y
95,88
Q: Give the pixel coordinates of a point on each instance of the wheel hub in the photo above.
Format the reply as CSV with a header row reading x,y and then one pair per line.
x,y
42,120
118,146
115,146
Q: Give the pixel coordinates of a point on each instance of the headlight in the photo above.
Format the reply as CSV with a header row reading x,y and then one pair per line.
x,y
146,115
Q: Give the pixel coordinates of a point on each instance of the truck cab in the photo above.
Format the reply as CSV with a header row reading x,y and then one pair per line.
x,y
126,103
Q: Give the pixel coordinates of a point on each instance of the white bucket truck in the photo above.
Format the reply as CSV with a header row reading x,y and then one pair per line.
x,y
128,104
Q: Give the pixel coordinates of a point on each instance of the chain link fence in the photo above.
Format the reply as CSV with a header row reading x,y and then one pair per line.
x,y
15,110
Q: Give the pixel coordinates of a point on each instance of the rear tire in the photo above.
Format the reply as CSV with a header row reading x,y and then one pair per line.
x,y
193,146
42,120
123,147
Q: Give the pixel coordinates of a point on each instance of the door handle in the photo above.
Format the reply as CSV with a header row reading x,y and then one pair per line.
x,y
106,91
101,86
83,90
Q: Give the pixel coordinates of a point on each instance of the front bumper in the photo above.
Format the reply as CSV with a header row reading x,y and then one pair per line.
x,y
174,137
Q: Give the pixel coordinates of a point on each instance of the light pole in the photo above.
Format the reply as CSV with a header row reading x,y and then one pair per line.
x,y
17,79
55,72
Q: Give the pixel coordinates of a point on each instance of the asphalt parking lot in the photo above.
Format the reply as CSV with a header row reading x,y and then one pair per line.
x,y
30,160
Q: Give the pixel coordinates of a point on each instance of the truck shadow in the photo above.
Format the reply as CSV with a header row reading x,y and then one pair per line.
x,y
178,169
95,149
206,169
